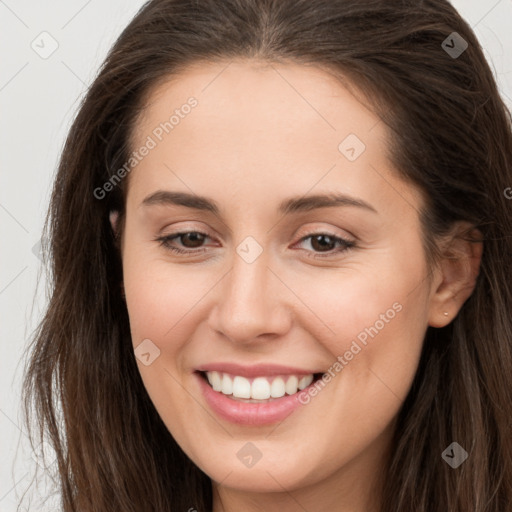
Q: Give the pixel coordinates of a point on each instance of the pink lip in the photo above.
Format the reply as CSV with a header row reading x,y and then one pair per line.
x,y
258,370
249,414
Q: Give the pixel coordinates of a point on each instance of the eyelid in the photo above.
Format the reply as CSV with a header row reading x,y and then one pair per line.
x,y
303,231
346,244
300,234
317,228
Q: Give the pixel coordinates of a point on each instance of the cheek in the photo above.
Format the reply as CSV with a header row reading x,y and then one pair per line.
x,y
387,300
378,318
376,340
160,296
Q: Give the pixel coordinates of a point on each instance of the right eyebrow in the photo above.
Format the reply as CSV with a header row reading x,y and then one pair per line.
x,y
162,197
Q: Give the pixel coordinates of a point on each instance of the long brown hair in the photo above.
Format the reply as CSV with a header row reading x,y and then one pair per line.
x,y
451,136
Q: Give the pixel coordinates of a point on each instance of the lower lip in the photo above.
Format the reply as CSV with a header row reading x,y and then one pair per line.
x,y
246,413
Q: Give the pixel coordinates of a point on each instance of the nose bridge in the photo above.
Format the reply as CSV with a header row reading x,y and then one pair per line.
x,y
249,278
249,303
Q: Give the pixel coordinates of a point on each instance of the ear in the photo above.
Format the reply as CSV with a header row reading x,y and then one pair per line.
x,y
457,273
114,216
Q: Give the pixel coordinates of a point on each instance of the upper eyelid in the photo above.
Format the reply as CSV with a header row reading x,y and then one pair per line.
x,y
310,234
316,229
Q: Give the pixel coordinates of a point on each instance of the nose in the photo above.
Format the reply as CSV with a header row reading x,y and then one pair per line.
x,y
251,303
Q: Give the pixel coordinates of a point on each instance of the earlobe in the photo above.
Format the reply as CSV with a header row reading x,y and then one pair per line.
x,y
459,267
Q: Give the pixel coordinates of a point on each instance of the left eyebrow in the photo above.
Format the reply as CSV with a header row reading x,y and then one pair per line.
x,y
286,207
307,203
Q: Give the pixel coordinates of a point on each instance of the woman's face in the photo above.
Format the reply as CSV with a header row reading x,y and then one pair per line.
x,y
268,295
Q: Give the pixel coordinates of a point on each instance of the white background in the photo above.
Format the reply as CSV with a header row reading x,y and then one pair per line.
x,y
38,99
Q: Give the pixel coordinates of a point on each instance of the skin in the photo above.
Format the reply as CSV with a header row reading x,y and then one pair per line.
x,y
272,132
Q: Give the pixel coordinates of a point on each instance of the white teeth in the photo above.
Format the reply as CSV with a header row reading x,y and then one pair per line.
x,y
216,381
291,385
277,388
227,384
241,387
304,382
261,388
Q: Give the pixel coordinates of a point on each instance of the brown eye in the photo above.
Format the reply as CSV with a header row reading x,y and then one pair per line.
x,y
322,242
191,239
326,243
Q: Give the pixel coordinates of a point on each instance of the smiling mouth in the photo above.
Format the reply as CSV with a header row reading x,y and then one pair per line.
x,y
259,389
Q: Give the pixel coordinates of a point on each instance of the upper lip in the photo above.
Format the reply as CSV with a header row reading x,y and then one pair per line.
x,y
257,370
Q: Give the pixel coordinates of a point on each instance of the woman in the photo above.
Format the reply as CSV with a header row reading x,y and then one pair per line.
x,y
281,252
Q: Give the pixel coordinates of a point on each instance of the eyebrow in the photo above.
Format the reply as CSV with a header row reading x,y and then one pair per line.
x,y
286,207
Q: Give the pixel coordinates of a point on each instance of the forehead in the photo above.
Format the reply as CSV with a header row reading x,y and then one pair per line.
x,y
261,93
259,125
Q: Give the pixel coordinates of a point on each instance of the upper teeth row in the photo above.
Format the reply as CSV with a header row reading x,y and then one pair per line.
x,y
261,388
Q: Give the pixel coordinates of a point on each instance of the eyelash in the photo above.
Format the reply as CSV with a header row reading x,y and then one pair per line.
x,y
166,240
